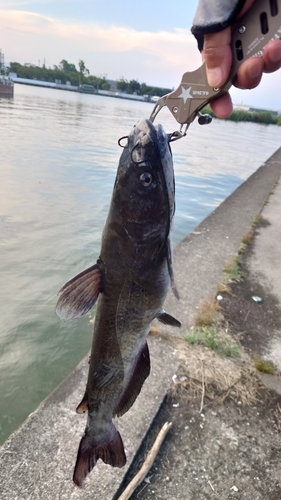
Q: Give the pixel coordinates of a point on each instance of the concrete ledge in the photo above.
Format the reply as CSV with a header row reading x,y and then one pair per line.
x,y
200,258
37,460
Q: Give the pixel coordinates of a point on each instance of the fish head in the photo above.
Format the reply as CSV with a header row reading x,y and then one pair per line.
x,y
144,191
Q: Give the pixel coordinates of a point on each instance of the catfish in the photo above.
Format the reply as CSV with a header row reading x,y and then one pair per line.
x,y
130,279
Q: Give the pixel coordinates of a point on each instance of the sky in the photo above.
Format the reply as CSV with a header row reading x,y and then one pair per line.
x,y
149,41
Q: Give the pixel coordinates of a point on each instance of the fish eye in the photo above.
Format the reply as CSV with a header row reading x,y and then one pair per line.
x,y
146,179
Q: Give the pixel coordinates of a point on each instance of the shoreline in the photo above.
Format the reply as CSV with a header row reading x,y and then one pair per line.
x,y
72,88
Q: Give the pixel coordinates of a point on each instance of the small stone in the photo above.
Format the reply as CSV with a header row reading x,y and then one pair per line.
x,y
257,299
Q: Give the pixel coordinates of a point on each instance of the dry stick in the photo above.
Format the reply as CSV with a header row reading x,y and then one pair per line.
x,y
203,389
247,315
211,486
139,477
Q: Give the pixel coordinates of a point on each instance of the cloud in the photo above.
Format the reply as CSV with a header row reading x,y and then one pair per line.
x,y
28,36
157,58
9,4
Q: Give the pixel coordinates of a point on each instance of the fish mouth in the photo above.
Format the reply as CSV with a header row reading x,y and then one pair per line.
x,y
144,134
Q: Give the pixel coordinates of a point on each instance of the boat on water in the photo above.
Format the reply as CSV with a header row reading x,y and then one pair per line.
x,y
6,86
6,83
87,89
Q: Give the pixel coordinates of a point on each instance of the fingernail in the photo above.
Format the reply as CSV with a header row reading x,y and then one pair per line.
x,y
254,71
214,77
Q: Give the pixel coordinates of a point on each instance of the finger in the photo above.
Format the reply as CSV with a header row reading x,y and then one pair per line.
x,y
246,7
218,57
250,73
272,56
222,107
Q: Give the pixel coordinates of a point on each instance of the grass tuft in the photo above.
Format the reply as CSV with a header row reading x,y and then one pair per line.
x,y
208,337
194,337
264,366
248,237
233,270
256,220
208,313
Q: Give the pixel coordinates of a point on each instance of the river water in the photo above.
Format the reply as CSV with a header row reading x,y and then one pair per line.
x,y
58,162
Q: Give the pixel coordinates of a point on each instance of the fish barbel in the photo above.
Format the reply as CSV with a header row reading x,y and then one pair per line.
x,y
131,278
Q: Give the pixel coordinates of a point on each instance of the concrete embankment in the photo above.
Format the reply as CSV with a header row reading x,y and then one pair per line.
x,y
37,460
75,88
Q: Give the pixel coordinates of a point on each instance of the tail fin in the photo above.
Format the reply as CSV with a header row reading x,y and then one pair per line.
x,y
111,452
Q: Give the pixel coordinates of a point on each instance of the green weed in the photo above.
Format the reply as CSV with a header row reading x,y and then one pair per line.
x,y
209,338
264,366
194,337
233,270
256,220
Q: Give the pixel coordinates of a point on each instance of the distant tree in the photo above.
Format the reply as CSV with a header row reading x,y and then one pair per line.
x,y
122,84
14,66
83,71
105,85
67,67
144,89
99,82
133,87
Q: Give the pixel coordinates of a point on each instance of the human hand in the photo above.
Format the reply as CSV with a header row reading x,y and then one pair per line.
x,y
218,58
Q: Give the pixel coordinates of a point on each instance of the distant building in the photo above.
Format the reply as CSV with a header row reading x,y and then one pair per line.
x,y
113,86
262,110
241,107
251,109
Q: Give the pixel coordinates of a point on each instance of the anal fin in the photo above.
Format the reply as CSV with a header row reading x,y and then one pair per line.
x,y
138,375
83,405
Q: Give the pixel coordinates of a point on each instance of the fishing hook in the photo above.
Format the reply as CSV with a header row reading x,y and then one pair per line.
x,y
134,161
121,139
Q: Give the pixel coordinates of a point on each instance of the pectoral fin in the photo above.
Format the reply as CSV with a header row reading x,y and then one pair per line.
x,y
170,269
167,319
138,375
79,294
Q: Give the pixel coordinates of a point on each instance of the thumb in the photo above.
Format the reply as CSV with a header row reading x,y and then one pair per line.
x,y
217,56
